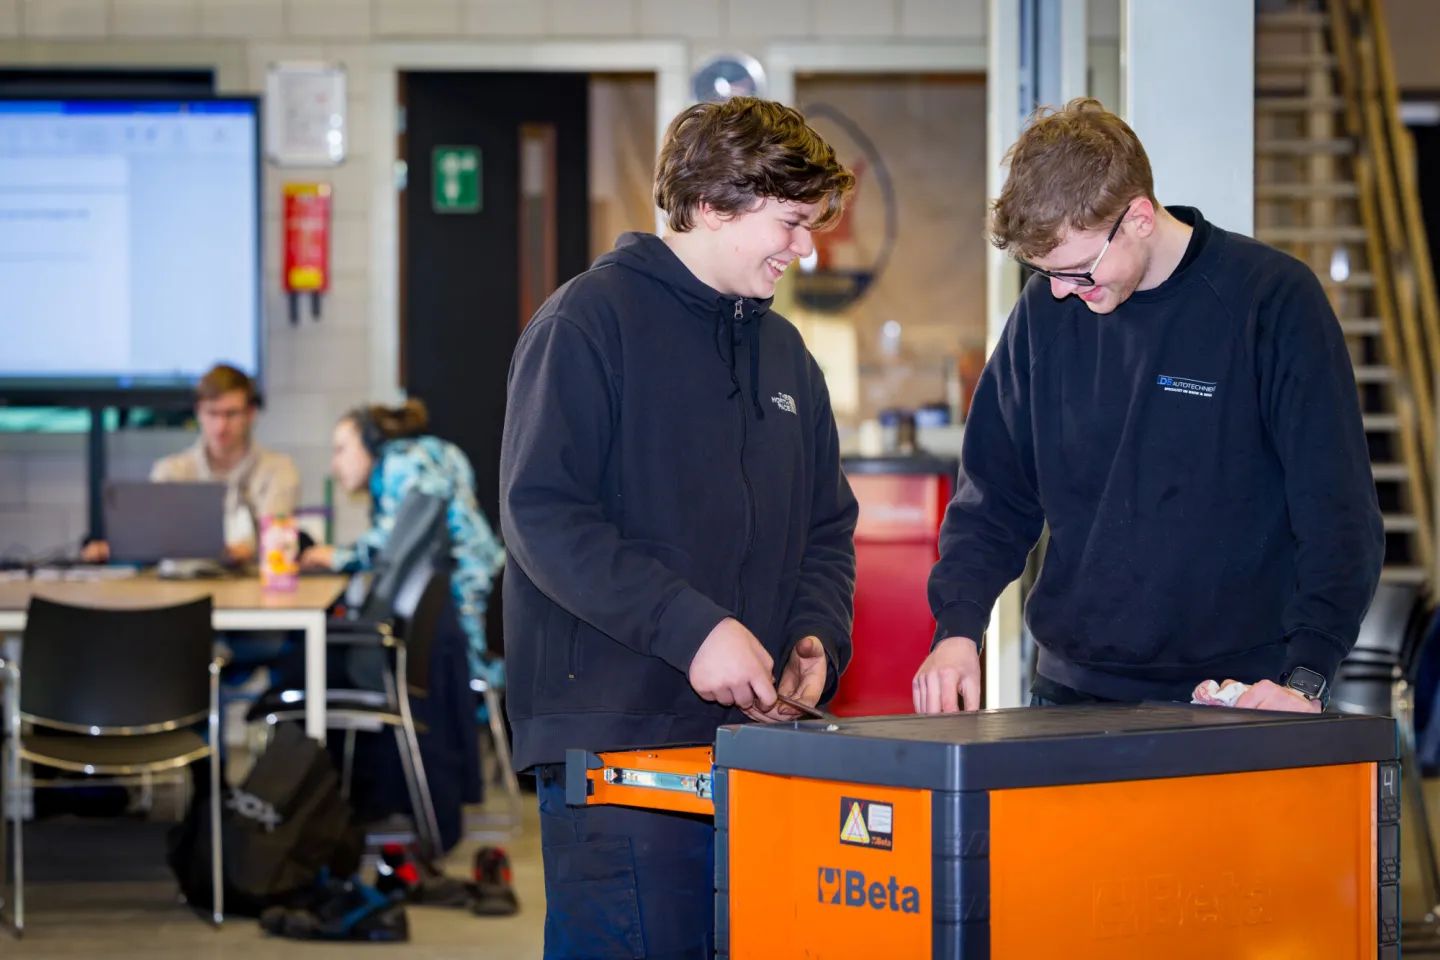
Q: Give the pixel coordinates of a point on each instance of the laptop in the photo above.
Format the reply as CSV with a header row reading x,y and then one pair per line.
x,y
147,523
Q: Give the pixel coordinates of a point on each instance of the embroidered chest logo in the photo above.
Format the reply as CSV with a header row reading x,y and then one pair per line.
x,y
785,402
1191,388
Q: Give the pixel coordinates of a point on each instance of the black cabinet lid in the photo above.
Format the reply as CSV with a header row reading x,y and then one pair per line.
x,y
1054,746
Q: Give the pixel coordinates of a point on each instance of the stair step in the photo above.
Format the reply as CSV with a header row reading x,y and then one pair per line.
x,y
1400,523
1304,147
1390,472
1339,190
1380,422
1296,61
1336,234
1356,281
1404,574
1292,20
1374,374
1278,103
1365,327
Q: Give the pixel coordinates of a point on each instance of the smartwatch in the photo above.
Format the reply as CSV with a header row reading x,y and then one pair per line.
x,y
1309,684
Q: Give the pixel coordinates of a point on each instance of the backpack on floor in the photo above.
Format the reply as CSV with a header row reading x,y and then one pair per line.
x,y
282,831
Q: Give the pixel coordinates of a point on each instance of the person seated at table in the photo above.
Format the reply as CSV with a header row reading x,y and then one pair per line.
x,y
259,482
386,452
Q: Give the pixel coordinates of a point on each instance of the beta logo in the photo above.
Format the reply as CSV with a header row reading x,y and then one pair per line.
x,y
849,888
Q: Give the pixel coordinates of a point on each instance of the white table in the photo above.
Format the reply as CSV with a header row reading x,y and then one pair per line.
x,y
239,605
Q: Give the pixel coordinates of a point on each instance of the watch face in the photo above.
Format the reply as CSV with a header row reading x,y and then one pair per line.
x,y
1307,682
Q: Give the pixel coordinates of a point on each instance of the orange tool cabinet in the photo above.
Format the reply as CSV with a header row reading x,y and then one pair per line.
x,y
1114,831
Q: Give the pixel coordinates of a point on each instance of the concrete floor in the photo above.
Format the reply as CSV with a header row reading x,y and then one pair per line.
x,y
139,918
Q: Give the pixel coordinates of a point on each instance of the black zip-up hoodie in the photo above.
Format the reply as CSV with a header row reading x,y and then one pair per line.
x,y
670,459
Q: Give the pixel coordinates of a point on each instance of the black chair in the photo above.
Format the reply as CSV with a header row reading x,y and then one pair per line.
x,y
483,826
419,535
496,827
387,622
378,653
114,693
1378,678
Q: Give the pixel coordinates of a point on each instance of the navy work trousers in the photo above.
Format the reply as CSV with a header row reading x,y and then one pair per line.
x,y
623,883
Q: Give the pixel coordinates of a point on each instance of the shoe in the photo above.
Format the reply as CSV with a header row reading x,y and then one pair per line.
x,y
441,892
396,872
403,875
493,892
345,910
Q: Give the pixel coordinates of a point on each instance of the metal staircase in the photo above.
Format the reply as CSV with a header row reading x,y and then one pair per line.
x,y
1335,187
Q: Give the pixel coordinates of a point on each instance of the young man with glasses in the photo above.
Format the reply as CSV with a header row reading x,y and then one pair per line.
x,y
1177,403
259,482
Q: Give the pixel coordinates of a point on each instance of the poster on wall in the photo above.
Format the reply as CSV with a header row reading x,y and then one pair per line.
x,y
305,114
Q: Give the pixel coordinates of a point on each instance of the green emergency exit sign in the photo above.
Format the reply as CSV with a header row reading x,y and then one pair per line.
x,y
457,179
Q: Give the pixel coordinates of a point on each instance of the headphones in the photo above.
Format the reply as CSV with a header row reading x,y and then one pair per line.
x,y
370,435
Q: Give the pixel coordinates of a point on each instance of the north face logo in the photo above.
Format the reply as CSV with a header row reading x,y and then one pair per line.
x,y
252,807
785,402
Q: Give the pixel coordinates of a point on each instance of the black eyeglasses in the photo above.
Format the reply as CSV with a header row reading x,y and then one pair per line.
x,y
1086,279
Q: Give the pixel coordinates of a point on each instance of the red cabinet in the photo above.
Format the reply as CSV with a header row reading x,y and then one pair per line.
x,y
902,501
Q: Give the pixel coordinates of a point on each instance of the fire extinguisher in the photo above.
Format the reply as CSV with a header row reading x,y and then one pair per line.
x,y
307,245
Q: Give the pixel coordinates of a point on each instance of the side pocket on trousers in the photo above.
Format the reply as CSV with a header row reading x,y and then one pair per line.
x,y
592,906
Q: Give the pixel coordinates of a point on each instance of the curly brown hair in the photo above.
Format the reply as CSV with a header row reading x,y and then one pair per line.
x,y
1075,168
736,153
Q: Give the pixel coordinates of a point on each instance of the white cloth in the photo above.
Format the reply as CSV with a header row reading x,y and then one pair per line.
x,y
1212,694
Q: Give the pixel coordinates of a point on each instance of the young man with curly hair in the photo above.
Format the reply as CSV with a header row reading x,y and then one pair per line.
x,y
1176,401
680,531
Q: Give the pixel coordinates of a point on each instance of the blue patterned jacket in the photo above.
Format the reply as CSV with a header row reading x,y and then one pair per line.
x,y
438,468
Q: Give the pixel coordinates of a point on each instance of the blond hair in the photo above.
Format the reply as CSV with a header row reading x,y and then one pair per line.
x,y
1075,168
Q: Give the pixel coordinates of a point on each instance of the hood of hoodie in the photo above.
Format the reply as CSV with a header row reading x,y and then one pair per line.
x,y
648,254
728,315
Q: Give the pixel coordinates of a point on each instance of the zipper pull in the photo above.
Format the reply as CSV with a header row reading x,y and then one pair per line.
x,y
739,309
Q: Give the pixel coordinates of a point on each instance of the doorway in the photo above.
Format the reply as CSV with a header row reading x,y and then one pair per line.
x,y
515,183
494,216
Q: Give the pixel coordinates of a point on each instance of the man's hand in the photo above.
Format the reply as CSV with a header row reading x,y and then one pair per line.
x,y
803,679
319,557
953,668
1269,695
732,668
240,552
96,551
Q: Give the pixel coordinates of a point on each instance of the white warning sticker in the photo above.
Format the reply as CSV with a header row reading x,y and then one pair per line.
x,y
880,817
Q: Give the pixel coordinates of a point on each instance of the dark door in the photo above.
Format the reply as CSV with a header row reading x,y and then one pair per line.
x,y
473,266
461,269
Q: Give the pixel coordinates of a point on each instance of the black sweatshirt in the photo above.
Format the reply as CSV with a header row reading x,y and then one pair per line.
x,y
1199,457
670,459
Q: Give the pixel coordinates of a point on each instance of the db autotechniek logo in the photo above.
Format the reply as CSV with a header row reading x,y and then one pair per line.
x,y
850,888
